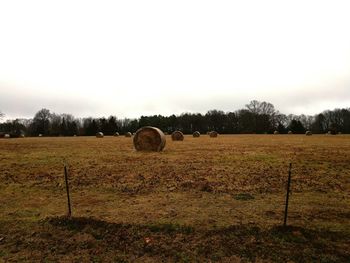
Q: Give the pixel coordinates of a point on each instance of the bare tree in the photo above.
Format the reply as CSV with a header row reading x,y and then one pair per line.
x,y
263,116
41,122
254,106
258,107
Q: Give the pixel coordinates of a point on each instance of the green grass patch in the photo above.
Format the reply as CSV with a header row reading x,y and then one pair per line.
x,y
243,197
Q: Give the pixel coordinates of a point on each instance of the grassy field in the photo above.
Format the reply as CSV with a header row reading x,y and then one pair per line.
x,y
203,199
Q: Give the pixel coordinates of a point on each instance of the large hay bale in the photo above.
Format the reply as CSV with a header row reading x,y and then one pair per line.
x,y
213,134
128,134
276,132
7,136
308,133
196,134
177,136
116,134
21,135
290,132
99,135
40,135
149,139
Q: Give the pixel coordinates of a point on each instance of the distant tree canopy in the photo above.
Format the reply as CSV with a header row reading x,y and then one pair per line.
x,y
296,126
257,117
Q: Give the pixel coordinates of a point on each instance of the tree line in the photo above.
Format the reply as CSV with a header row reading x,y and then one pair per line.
x,y
256,118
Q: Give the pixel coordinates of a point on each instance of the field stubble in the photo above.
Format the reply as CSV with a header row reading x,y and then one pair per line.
x,y
223,194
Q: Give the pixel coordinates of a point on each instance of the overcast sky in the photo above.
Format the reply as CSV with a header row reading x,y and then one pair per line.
x,y
132,58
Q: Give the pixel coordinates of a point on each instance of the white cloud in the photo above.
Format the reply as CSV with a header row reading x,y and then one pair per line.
x,y
146,57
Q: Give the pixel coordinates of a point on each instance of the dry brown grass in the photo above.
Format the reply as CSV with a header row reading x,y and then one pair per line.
x,y
231,188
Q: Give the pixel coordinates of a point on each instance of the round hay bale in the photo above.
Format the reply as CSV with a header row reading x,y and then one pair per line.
x,y
7,136
308,133
290,132
99,135
196,134
276,132
213,134
116,134
177,136
149,139
40,135
21,135
128,134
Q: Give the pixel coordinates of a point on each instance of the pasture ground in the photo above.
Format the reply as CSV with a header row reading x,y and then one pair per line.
x,y
203,199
